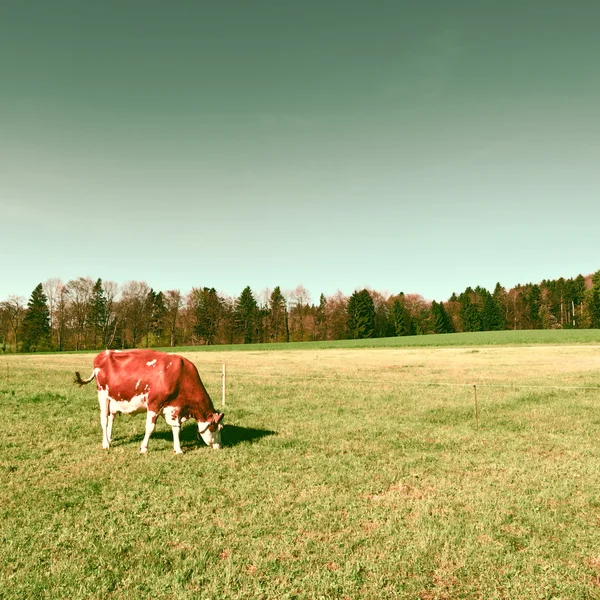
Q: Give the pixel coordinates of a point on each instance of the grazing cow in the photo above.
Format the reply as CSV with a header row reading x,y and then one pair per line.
x,y
132,381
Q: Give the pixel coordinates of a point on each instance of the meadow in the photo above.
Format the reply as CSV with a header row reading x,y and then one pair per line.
x,y
347,472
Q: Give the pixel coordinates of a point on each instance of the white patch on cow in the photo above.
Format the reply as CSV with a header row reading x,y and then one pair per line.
x,y
169,413
151,363
137,385
211,438
96,371
150,424
169,365
137,404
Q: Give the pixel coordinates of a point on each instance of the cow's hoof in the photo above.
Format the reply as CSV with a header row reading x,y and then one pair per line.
x,y
143,450
178,451
216,446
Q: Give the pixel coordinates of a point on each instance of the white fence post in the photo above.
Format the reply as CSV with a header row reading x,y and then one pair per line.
x,y
223,389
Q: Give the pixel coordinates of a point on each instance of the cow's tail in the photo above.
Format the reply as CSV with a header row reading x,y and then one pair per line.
x,y
77,379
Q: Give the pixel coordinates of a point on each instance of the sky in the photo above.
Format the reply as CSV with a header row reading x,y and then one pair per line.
x,y
416,147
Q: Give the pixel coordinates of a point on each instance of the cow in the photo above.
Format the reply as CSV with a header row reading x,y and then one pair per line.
x,y
132,381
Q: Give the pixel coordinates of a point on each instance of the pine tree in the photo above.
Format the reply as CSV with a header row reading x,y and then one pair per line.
x,y
98,315
442,323
534,301
361,315
594,301
36,324
277,308
246,309
469,315
321,318
208,312
491,314
401,318
438,320
449,325
595,308
158,316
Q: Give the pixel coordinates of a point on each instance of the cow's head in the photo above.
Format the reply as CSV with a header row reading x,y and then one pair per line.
x,y
210,431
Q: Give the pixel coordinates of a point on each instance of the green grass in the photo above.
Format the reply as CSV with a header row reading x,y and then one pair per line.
x,y
481,338
324,489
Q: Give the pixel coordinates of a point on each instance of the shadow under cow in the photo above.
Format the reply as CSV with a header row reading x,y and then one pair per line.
x,y
232,435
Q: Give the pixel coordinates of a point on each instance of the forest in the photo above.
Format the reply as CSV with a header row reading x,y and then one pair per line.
x,y
88,314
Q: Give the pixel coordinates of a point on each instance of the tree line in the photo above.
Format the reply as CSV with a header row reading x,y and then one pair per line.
x,y
87,314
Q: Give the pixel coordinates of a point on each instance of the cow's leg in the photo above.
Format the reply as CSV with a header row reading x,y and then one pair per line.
x,y
150,424
176,446
172,419
111,418
103,401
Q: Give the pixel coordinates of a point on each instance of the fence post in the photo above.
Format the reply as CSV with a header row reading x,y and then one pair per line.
x,y
223,388
476,408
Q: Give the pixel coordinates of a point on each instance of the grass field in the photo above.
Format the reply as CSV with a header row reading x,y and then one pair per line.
x,y
347,473
481,338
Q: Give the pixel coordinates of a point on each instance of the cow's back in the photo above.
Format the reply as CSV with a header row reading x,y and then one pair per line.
x,y
129,373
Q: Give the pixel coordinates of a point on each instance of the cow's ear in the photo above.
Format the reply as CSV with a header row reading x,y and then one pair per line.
x,y
218,417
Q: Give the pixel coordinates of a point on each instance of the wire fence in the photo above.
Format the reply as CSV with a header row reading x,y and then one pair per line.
x,y
385,380
395,382
227,372
231,372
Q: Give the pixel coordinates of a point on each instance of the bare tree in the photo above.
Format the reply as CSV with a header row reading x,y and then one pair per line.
x,y
383,307
299,303
173,302
81,292
13,311
337,316
134,310
52,288
109,329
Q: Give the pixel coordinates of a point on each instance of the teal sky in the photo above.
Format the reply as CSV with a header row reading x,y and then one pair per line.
x,y
404,146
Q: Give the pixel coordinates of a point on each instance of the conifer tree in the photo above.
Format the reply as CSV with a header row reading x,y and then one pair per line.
x,y
442,323
246,309
491,314
534,301
321,318
361,315
595,308
469,315
158,316
208,313
98,314
277,308
36,324
594,301
401,318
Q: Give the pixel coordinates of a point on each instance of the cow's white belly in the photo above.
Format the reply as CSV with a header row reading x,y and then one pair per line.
x,y
137,404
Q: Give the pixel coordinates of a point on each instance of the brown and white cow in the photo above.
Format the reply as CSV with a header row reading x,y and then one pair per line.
x,y
132,381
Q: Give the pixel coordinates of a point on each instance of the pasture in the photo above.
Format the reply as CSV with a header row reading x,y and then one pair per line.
x,y
346,473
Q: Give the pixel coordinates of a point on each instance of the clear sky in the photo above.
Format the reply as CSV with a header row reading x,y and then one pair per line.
x,y
404,146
